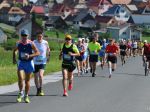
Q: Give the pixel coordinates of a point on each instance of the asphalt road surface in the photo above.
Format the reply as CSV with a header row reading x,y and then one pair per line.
x,y
127,91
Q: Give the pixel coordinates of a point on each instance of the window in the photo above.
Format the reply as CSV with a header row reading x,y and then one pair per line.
x,y
124,33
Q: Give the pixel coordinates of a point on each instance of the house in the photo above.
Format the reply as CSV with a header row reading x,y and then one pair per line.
x,y
31,25
11,15
136,33
84,19
119,12
57,10
15,15
55,22
69,19
4,4
142,14
105,21
3,37
4,17
39,10
99,6
23,2
124,31
27,9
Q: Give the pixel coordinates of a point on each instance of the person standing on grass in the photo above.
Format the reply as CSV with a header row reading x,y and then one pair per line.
x,y
68,53
26,50
40,62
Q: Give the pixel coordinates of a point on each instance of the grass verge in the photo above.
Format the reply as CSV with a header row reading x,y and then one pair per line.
x,y
8,71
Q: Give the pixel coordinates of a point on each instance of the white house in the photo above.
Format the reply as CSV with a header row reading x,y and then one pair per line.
x,y
119,11
3,36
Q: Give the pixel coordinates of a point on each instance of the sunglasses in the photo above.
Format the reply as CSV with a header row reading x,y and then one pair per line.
x,y
24,35
67,39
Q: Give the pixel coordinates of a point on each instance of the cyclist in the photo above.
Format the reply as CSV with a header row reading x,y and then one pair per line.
x,y
40,62
112,51
94,47
146,52
25,49
68,53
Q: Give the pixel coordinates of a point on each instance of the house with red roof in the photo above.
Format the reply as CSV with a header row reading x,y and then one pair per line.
x,y
39,10
99,6
105,21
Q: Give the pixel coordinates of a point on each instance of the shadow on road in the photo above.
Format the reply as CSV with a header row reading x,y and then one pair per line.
x,y
130,74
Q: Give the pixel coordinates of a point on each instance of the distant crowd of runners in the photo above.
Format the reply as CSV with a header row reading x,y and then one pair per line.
x,y
82,54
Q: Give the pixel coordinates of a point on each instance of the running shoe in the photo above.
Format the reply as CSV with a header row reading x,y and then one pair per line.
x,y
65,94
20,96
41,93
70,87
93,74
27,99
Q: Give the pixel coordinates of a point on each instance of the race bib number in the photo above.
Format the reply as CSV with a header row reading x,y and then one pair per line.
x,y
23,55
93,53
122,50
67,57
110,54
39,59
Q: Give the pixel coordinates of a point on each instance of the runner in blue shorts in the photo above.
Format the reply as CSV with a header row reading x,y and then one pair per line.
x,y
26,50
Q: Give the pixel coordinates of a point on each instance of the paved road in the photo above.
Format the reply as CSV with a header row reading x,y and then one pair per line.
x,y
127,91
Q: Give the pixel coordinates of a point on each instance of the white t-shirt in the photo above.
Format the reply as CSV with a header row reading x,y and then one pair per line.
x,y
135,45
42,47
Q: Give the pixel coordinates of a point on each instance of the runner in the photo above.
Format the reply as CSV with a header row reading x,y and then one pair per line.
x,y
112,51
85,59
94,47
123,49
40,62
25,49
134,48
79,59
68,53
102,53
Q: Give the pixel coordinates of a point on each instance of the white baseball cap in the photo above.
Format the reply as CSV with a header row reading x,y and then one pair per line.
x,y
145,41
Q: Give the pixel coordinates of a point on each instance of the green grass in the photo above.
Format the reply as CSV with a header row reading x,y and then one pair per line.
x,y
8,74
7,28
146,38
52,34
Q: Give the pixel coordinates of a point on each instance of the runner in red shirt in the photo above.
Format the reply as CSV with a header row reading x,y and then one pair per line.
x,y
112,51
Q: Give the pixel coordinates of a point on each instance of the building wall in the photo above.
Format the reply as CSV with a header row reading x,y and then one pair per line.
x,y
114,33
140,19
136,34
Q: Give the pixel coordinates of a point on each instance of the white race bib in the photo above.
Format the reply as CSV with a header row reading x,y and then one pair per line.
x,y
67,57
39,59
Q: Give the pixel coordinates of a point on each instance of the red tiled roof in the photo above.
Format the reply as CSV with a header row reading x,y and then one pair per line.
x,y
103,19
57,8
97,2
38,9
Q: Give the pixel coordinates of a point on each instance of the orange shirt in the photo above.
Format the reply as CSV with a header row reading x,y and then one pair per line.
x,y
111,48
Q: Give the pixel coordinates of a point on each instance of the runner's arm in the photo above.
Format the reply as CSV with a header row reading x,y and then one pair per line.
x,y
14,55
36,51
